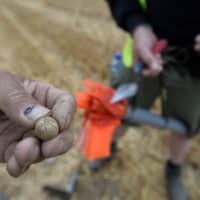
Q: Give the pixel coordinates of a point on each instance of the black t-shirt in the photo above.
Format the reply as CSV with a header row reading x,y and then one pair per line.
x,y
178,21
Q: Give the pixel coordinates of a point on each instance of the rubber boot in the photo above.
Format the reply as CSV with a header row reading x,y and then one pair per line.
x,y
3,196
174,182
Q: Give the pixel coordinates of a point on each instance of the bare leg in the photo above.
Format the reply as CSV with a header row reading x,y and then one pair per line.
x,y
179,147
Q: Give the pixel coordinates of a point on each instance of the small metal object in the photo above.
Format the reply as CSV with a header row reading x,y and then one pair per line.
x,y
46,128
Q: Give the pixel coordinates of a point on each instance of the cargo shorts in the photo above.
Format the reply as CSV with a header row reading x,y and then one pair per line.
x,y
178,89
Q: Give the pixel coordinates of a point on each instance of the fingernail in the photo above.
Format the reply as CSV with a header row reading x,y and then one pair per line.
x,y
28,110
34,112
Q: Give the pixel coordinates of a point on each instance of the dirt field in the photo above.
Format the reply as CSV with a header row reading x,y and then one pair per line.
x,y
63,42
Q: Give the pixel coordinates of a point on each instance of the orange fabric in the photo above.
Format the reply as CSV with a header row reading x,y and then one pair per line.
x,y
100,118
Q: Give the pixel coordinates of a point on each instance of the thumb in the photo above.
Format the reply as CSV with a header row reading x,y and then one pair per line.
x,y
16,103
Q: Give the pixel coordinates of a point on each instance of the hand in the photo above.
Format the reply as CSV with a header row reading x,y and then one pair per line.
x,y
144,40
22,102
197,43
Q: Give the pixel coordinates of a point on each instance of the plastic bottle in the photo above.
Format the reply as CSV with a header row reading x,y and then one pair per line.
x,y
116,62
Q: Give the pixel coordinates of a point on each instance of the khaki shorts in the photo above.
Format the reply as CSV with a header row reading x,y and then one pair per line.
x,y
178,89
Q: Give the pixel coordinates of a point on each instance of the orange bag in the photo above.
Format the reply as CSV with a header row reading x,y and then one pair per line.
x,y
100,118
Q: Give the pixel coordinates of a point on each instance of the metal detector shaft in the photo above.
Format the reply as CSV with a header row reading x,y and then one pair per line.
x,y
65,194
142,116
70,187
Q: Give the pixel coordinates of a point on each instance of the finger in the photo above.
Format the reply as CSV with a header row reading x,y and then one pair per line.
x,y
197,47
146,55
197,39
197,43
151,73
16,103
39,90
10,132
159,59
62,103
29,134
152,61
13,167
64,110
58,145
26,153
155,68
135,57
9,152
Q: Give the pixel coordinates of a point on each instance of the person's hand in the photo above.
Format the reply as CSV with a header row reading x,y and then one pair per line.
x,y
144,40
197,43
22,102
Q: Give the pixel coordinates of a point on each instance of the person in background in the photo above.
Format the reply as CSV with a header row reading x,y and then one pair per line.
x,y
174,75
22,102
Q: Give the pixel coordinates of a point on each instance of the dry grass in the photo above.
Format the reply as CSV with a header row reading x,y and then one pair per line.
x,y
63,42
